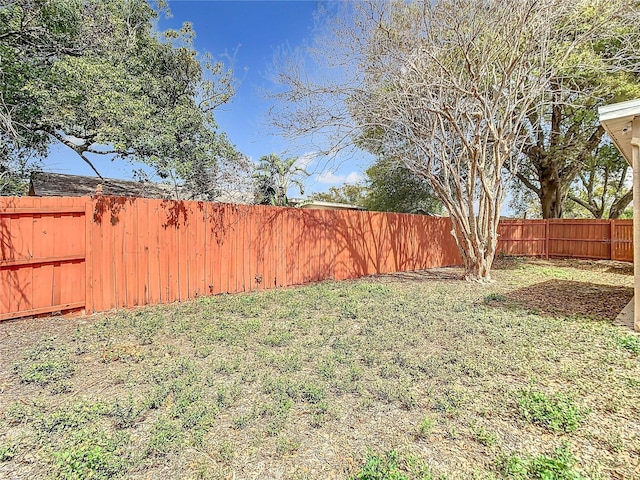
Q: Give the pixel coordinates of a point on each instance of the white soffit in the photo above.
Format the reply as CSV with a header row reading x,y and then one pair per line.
x,y
616,120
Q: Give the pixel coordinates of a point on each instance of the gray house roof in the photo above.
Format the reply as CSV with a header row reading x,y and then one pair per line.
x,y
44,184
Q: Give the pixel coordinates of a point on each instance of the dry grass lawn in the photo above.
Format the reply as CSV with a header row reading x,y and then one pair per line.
x,y
408,376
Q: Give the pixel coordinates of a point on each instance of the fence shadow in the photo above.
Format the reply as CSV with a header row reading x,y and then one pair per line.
x,y
338,245
566,298
15,286
108,205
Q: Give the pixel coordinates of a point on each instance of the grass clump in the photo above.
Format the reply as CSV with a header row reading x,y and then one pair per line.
x,y
559,466
7,452
425,427
287,445
390,466
484,436
90,454
45,364
557,413
630,342
495,297
165,437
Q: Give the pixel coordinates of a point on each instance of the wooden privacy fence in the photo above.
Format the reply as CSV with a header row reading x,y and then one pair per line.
x,y
580,238
59,254
95,254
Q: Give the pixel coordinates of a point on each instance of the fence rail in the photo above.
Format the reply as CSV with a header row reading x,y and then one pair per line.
x,y
95,254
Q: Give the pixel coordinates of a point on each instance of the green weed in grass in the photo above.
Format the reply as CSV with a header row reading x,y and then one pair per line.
x,y
17,413
553,272
68,419
228,367
165,436
381,467
390,466
202,351
226,395
630,342
321,413
7,452
285,362
561,465
146,326
494,297
90,454
425,427
125,413
312,393
242,421
277,415
483,436
327,368
450,401
286,445
277,339
225,452
281,387
44,364
557,413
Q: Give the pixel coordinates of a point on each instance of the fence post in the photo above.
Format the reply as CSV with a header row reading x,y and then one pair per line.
x,y
612,247
546,238
88,257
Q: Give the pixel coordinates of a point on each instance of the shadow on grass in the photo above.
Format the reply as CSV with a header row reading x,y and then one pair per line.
x,y
566,298
444,274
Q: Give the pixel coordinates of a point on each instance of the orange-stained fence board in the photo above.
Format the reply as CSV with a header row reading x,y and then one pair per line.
x,y
42,256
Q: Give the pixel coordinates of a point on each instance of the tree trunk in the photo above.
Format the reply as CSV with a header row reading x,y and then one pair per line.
x,y
479,270
551,193
477,255
619,205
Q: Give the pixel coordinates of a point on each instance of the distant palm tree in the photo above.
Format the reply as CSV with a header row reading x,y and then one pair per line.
x,y
274,177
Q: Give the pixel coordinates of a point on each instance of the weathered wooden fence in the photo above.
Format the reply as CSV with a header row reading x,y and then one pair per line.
x,y
59,254
580,238
94,254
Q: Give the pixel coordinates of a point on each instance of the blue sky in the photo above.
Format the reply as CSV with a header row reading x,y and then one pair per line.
x,y
250,33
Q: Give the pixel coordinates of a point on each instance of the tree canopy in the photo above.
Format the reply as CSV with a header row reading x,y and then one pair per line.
x,y
274,176
387,187
447,89
96,76
563,137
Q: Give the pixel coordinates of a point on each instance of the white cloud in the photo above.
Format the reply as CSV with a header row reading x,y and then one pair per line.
x,y
353,177
305,159
333,179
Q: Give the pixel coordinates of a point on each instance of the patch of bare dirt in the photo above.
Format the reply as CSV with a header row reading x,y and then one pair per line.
x,y
566,297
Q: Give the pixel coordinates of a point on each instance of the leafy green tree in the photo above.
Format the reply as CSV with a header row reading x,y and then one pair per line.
x,y
564,137
392,187
15,170
387,187
351,194
274,176
602,189
96,77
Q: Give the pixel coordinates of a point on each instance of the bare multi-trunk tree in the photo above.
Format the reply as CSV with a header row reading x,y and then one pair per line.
x,y
444,87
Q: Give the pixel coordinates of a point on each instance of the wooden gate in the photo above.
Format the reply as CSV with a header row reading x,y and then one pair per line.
x,y
42,257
